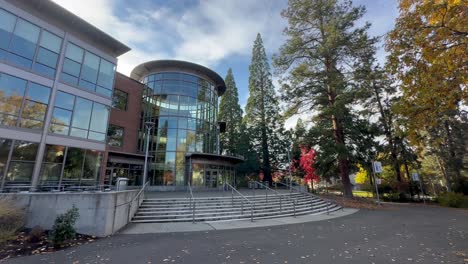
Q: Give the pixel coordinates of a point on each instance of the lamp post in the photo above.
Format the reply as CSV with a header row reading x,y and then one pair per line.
x,y
148,125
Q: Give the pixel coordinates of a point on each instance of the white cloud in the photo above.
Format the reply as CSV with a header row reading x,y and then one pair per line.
x,y
205,33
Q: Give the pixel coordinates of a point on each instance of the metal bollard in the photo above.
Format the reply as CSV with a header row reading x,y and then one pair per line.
x,y
242,208
328,209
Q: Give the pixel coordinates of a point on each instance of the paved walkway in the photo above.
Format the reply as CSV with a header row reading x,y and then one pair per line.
x,y
401,234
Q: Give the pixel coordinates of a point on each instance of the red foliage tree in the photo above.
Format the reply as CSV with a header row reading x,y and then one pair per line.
x,y
306,163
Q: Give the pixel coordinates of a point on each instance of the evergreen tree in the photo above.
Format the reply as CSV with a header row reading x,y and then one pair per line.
x,y
322,56
251,165
231,113
263,112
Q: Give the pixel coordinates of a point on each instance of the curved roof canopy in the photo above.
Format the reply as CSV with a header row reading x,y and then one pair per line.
x,y
153,66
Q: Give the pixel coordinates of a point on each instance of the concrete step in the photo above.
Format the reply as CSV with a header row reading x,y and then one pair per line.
x,y
181,214
246,215
228,203
225,208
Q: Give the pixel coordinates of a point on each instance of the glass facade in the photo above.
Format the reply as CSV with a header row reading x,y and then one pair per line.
x,y
64,165
27,45
68,165
86,70
22,103
183,107
79,117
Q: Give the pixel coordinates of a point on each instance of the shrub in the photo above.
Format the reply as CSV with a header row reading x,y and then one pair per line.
x,y
36,233
11,219
451,199
64,227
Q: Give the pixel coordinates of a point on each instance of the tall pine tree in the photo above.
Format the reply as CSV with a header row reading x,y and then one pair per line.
x,y
231,113
323,53
263,112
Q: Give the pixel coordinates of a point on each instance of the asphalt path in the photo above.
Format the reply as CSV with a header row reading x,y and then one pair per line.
x,y
399,234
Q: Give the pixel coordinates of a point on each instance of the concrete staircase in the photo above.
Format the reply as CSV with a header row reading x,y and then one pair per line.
x,y
225,208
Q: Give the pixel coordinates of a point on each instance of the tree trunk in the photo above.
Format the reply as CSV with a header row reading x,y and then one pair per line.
x,y
388,134
266,167
448,182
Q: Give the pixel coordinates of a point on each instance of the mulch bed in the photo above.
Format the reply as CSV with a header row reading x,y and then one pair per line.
x,y
23,245
355,202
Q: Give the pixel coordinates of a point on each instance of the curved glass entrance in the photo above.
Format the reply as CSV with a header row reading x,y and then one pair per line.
x,y
212,176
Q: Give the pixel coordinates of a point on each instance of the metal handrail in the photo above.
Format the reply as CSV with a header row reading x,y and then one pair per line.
x,y
191,202
278,194
134,198
252,203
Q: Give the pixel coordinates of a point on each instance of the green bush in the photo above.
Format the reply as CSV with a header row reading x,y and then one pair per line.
x,y
11,219
451,199
64,227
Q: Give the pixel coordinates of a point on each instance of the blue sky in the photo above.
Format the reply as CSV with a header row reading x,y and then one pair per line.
x,y
215,33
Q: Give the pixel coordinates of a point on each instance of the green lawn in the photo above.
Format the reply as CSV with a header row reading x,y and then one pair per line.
x,y
364,194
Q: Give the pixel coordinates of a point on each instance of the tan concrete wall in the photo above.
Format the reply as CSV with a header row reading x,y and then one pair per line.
x,y
101,213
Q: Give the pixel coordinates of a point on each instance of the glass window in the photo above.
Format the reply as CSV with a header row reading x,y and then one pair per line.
x,y
87,115
24,151
73,164
64,100
22,161
89,71
171,139
119,100
92,165
50,41
5,146
25,39
52,164
82,113
61,117
115,136
7,24
11,97
12,91
100,113
76,132
38,93
74,52
54,153
106,74
46,62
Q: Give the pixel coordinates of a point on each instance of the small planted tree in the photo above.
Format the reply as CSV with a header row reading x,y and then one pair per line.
x,y
64,227
306,164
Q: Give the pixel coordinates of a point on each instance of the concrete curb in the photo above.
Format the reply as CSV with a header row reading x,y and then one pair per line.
x,y
154,228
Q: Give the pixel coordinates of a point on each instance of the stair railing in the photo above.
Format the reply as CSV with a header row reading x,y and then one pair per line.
x,y
252,203
299,190
137,196
191,202
277,194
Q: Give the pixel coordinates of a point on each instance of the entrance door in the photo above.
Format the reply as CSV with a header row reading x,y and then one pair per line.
x,y
211,178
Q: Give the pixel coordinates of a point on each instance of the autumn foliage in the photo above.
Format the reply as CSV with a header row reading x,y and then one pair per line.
x,y
306,164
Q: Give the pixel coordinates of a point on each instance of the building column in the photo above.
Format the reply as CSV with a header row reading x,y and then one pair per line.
x,y
50,110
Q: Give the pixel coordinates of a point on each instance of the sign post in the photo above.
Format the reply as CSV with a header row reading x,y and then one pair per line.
x,y
376,168
415,176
